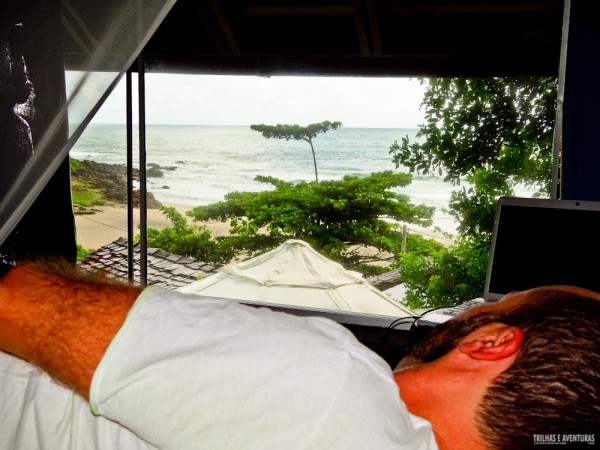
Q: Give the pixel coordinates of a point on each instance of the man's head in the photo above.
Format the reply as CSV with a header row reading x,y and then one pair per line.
x,y
527,365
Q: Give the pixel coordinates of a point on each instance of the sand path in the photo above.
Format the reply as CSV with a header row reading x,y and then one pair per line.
x,y
110,223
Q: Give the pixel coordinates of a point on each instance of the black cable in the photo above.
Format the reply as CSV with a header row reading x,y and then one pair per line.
x,y
392,326
401,320
411,329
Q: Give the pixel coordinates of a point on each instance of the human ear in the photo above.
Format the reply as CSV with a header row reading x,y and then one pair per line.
x,y
492,343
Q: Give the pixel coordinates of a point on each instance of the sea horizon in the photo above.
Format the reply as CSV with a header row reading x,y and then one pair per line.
x,y
202,163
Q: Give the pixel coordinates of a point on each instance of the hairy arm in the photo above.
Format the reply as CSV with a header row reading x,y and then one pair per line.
x,y
60,322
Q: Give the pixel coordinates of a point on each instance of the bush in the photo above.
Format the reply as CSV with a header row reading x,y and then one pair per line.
x,y
188,240
448,276
331,216
83,253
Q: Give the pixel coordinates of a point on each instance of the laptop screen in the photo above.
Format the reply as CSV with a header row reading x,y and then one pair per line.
x,y
538,242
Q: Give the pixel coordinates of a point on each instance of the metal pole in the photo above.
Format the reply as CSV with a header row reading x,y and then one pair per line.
x,y
143,199
560,99
130,224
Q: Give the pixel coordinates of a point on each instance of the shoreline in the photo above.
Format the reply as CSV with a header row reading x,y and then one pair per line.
x,y
109,223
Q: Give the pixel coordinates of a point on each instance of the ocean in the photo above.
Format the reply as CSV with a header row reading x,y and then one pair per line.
x,y
207,162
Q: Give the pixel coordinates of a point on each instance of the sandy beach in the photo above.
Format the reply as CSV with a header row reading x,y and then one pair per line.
x,y
110,223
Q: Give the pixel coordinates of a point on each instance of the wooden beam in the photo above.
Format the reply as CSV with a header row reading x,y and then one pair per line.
x,y
222,21
374,26
361,32
212,32
297,10
476,7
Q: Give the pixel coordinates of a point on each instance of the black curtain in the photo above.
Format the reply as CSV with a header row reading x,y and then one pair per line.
x,y
32,58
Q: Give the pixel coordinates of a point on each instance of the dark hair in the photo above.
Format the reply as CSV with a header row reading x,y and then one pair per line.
x,y
553,386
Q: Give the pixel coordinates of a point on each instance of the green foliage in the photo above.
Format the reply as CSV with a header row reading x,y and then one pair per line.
x,y
297,133
494,133
419,245
74,164
188,240
83,253
444,277
85,196
332,216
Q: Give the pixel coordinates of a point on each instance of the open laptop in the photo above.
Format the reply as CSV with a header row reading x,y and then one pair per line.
x,y
537,242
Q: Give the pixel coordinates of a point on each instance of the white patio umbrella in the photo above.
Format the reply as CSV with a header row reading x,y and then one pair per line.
x,y
295,274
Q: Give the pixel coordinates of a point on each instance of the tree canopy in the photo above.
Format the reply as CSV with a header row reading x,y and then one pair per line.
x,y
297,133
334,216
492,134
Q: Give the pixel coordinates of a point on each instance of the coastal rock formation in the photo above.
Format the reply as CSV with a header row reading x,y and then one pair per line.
x,y
111,180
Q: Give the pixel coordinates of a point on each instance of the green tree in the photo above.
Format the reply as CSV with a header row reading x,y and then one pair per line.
x,y
447,276
493,133
297,133
333,216
188,240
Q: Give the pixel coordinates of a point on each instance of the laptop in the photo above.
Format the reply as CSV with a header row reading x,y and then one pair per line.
x,y
537,242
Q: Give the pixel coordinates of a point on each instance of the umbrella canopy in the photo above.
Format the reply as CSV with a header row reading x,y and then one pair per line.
x,y
295,274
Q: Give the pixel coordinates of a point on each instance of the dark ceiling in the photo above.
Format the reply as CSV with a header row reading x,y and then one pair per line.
x,y
359,38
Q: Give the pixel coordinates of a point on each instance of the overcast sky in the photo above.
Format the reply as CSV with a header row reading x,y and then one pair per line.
x,y
240,100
